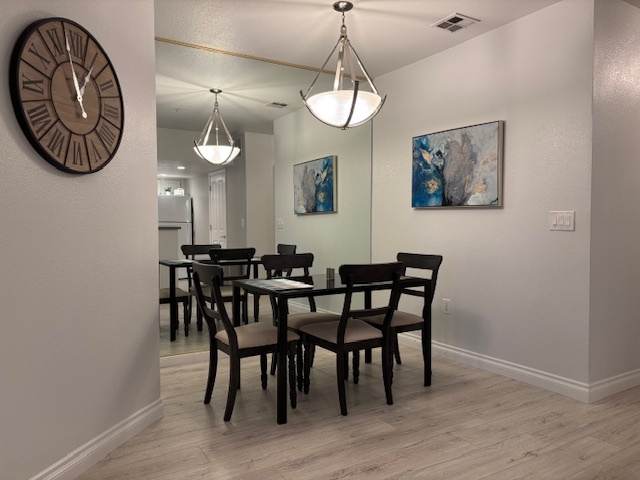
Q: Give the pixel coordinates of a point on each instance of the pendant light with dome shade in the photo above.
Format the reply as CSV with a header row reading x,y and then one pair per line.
x,y
208,147
344,107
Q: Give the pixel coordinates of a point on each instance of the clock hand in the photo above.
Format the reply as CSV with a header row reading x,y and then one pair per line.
x,y
75,77
86,80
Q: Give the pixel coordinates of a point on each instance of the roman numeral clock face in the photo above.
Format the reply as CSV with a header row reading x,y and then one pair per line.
x,y
66,95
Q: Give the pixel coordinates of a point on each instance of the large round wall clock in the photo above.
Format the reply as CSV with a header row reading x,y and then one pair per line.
x,y
66,95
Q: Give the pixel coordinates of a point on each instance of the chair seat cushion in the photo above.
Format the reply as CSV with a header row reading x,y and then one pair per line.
x,y
399,319
226,291
297,320
255,335
165,293
357,331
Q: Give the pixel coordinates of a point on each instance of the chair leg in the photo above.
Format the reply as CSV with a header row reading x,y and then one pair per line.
x,y
396,348
387,373
245,309
367,355
313,354
189,309
213,369
199,319
340,375
293,393
234,385
356,366
299,365
426,352
274,364
187,317
346,366
256,307
307,366
263,370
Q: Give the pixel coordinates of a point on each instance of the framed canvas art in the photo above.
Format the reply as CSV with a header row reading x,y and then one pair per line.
x,y
458,168
314,186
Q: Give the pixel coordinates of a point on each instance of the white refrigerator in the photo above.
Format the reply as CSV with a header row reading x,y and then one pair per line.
x,y
177,211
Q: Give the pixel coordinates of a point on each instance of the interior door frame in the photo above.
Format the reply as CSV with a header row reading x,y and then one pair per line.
x,y
217,206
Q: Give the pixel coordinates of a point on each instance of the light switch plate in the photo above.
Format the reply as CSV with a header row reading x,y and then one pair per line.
x,y
562,220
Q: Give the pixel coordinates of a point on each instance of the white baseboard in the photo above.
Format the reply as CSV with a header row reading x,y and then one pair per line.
x,y
612,385
84,457
584,392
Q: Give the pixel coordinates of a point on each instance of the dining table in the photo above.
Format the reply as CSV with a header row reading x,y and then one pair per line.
x,y
175,264
314,285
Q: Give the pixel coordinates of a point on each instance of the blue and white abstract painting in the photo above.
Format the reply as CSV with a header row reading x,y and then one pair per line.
x,y
459,167
314,185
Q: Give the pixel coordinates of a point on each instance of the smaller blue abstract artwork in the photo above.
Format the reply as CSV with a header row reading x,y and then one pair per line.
x,y
314,186
458,168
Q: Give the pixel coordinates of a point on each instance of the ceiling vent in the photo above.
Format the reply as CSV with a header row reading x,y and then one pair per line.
x,y
455,22
276,105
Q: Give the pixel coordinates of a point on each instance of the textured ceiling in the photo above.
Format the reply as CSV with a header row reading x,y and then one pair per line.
x,y
387,35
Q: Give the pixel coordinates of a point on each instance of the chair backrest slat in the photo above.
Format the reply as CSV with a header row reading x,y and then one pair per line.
x,y
369,273
211,276
190,251
285,248
275,265
244,255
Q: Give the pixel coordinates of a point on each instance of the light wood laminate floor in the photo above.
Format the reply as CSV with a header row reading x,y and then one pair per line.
x,y
470,424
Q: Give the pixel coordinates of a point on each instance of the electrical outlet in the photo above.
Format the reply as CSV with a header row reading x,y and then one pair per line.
x,y
562,220
446,306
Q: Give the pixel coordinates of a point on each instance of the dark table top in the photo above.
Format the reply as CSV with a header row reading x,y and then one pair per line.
x,y
186,262
321,285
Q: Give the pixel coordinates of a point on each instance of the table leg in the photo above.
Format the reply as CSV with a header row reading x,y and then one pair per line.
x,y
426,347
256,307
256,297
367,304
173,305
281,400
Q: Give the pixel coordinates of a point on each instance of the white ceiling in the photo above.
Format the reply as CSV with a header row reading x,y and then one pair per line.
x,y
387,35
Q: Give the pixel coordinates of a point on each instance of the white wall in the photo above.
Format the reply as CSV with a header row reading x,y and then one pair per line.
x,y
260,222
78,288
333,238
615,225
520,293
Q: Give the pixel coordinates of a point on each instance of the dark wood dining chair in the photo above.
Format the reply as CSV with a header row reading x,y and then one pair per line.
x,y
181,297
241,257
351,333
407,322
194,252
294,266
281,249
286,249
238,342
